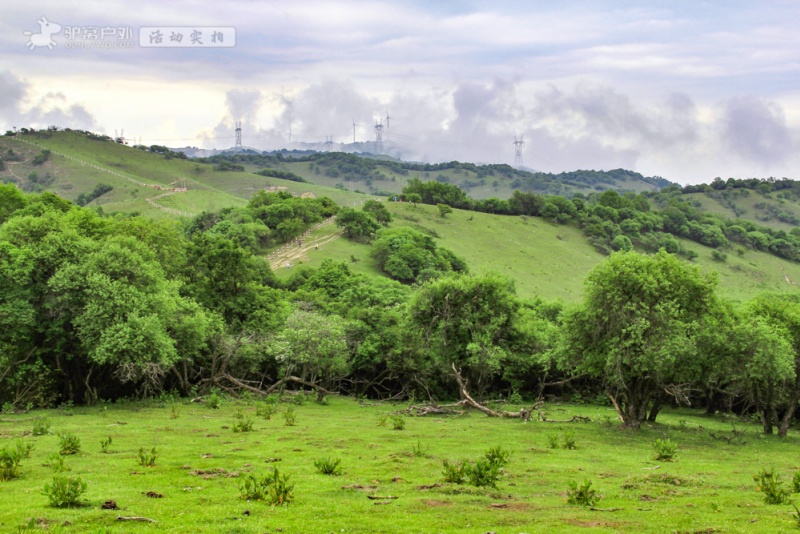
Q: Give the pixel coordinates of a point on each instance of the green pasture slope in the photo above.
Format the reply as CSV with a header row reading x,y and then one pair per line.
x,y
201,463
751,205
551,260
544,259
77,164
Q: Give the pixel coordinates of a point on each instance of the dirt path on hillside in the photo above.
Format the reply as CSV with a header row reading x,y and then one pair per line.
x,y
291,253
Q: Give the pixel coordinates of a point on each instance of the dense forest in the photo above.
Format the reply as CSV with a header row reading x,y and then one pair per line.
x,y
97,306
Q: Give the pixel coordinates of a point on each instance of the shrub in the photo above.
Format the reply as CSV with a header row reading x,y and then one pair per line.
x,y
796,482
418,450
299,399
665,450
582,495
148,459
10,460
174,410
769,483
328,466
455,473
289,417
265,410
24,449
68,443
497,456
569,441
41,426
105,444
398,422
65,492
272,489
515,398
483,473
552,441
243,423
214,400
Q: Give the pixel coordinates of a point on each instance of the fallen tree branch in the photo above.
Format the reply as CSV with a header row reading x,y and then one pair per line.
x,y
593,509
136,518
524,414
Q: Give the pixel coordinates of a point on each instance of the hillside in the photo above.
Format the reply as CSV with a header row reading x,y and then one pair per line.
x,y
387,176
78,162
546,259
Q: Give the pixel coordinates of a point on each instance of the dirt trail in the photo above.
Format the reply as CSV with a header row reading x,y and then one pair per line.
x,y
292,253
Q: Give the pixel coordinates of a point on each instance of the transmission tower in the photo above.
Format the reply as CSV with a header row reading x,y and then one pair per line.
x,y
387,118
238,145
518,144
328,143
354,130
379,137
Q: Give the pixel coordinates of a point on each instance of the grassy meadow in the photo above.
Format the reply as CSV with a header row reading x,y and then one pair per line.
x,y
201,463
547,259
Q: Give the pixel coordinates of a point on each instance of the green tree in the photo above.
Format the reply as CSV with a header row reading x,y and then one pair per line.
x,y
313,347
467,321
782,313
356,224
636,328
378,211
444,209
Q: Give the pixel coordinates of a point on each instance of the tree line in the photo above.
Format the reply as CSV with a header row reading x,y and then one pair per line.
x,y
103,306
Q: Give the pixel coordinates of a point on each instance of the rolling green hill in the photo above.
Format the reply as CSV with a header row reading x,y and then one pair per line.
x,y
544,258
386,176
78,162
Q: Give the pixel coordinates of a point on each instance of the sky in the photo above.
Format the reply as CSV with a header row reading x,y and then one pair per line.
x,y
686,89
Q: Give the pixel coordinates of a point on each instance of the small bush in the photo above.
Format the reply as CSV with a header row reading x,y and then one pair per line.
x,y
328,466
418,450
65,492
24,449
289,417
105,444
582,495
272,489
148,459
243,423
68,443
569,441
796,482
383,419
483,473
455,473
497,456
265,410
41,426
770,484
214,400
398,422
299,399
552,441
174,410
665,450
10,460
515,398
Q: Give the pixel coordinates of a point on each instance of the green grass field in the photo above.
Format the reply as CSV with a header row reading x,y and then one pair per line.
x,y
544,259
201,463
551,260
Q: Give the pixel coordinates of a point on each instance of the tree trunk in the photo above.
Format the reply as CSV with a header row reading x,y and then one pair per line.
x,y
657,404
